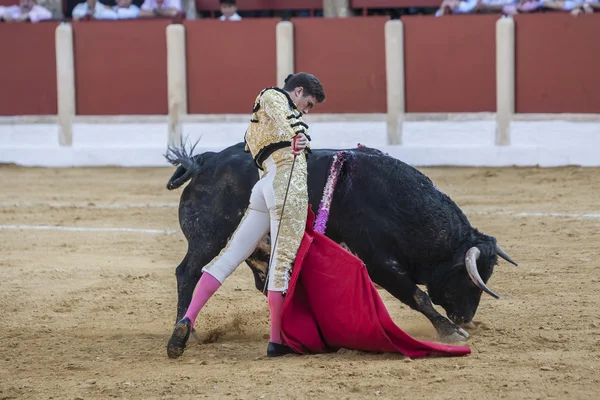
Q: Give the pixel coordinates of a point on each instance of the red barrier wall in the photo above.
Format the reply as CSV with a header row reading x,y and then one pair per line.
x,y
393,3
348,56
28,69
228,64
213,5
557,63
121,67
450,63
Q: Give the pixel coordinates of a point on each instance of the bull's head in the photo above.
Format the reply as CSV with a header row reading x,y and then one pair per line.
x,y
458,286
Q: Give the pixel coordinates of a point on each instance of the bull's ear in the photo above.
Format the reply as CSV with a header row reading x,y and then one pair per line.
x,y
459,264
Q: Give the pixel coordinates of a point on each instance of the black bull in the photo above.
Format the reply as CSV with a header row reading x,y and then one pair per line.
x,y
389,214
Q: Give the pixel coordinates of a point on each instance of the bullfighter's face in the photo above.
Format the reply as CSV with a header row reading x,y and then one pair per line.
x,y
302,102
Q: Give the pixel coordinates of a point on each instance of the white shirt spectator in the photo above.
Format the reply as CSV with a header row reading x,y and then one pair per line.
x,y
35,14
130,12
234,17
150,5
468,6
101,11
567,5
570,5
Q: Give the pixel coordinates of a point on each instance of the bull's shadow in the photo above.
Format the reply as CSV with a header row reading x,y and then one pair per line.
x,y
405,230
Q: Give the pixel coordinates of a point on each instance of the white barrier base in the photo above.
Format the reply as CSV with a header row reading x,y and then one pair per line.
x,y
467,142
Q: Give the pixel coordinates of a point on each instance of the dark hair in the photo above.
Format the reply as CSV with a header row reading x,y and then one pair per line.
x,y
230,2
312,86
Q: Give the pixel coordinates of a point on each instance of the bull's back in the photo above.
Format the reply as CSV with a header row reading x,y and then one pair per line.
x,y
375,192
393,205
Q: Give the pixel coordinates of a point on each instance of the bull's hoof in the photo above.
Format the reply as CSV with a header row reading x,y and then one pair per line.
x,y
180,336
448,332
469,325
459,336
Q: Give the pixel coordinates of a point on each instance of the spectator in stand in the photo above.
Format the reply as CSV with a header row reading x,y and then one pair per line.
x,y
26,11
510,7
507,7
229,11
589,6
160,8
526,6
126,10
93,9
451,7
575,7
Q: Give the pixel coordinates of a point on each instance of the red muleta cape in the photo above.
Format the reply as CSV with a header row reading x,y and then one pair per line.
x,y
331,303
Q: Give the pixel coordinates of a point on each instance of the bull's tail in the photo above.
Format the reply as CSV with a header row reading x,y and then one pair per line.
x,y
186,162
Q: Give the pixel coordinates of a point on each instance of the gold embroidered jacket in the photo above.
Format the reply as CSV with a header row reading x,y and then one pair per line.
x,y
275,121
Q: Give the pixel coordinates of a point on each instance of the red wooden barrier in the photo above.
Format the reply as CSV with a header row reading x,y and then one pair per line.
x,y
121,67
557,63
450,63
28,69
228,64
348,56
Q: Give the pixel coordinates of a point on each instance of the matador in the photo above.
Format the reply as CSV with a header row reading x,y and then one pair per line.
x,y
278,140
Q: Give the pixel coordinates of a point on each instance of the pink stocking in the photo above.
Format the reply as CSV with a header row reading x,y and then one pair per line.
x,y
206,287
275,305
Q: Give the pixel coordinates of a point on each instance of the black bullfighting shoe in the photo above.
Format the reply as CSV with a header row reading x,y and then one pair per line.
x,y
276,350
180,336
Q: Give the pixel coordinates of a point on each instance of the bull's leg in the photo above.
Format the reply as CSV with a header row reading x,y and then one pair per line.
x,y
402,287
259,263
186,283
259,270
446,329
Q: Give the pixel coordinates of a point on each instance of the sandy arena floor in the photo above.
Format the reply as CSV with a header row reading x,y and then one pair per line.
x,y
86,314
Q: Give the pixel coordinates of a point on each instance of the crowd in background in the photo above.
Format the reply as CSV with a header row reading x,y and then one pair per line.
x,y
34,11
511,7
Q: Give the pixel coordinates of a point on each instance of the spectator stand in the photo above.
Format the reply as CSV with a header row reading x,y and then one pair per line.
x,y
284,9
393,8
69,5
54,6
287,9
515,7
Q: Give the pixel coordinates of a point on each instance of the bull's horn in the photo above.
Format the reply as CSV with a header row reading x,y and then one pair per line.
x,y
471,264
502,254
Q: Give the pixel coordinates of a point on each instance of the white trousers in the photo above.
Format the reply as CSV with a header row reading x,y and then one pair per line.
x,y
263,215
